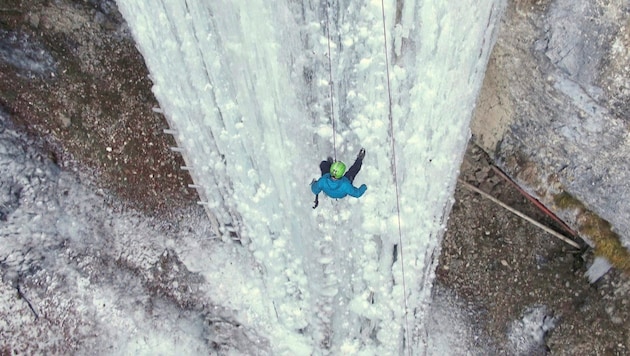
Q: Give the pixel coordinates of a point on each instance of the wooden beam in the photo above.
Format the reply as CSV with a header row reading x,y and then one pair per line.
x,y
518,213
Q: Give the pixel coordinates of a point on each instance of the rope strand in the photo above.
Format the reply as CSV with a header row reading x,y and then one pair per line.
x,y
330,82
393,140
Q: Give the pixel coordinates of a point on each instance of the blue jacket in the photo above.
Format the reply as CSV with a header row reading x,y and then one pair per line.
x,y
337,188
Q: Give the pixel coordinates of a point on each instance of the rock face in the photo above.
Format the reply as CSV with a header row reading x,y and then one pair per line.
x,y
70,73
554,113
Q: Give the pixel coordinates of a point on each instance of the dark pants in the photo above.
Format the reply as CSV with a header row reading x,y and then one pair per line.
x,y
324,166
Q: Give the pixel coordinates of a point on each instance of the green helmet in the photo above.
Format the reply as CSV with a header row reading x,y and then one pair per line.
x,y
337,169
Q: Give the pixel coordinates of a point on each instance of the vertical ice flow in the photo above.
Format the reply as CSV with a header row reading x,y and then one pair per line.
x,y
246,86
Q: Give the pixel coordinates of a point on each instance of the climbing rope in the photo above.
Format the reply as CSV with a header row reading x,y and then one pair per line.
x,y
330,83
393,140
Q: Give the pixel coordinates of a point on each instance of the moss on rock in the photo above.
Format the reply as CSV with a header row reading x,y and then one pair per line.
x,y
598,231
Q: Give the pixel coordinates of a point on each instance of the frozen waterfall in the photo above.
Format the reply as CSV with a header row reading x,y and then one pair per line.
x,y
245,86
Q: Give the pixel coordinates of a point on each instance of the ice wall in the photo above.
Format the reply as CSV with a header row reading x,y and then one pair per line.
x,y
245,86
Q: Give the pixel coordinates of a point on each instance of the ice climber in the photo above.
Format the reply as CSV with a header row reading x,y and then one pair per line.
x,y
335,182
